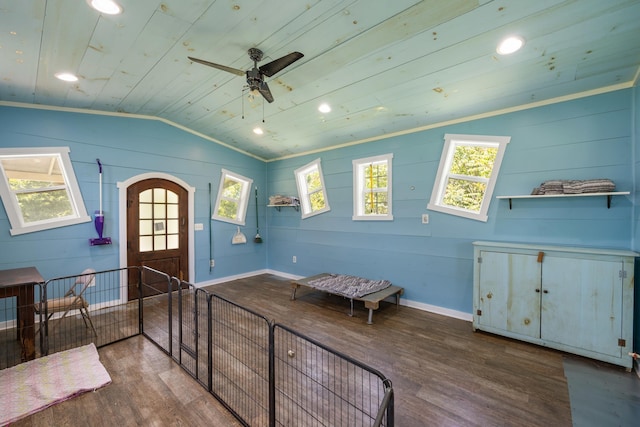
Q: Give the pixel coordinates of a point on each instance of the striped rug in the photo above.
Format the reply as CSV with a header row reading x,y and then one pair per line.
x,y
35,385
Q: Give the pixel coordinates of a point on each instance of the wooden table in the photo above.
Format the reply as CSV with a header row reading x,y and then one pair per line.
x,y
19,282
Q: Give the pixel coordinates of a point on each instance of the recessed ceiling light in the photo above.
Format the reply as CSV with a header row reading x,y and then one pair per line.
x,y
66,77
510,45
258,131
109,7
324,108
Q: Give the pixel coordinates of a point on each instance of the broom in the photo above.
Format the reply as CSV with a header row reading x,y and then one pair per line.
x,y
257,239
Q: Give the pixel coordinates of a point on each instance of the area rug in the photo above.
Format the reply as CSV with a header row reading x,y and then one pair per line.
x,y
38,384
600,394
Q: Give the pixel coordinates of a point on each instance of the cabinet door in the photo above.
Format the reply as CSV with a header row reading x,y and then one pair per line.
x,y
509,292
582,303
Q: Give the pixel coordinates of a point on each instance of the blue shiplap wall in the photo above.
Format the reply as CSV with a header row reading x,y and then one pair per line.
x,y
586,138
580,139
126,147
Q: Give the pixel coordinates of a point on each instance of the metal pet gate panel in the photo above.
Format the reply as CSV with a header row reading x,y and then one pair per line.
x,y
104,317
265,374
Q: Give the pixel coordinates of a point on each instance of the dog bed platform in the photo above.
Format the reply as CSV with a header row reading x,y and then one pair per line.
x,y
357,289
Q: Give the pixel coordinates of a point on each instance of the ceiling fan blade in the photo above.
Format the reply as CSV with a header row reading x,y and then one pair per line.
x,y
218,66
264,90
274,66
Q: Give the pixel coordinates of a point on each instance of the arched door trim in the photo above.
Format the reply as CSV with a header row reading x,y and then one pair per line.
x,y
122,209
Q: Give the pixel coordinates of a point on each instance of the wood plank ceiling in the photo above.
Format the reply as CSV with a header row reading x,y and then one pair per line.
x,y
383,66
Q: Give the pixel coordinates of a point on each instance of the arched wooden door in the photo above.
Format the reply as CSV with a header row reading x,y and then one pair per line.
x,y
157,225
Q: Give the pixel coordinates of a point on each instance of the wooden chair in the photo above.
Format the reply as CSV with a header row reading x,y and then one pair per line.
x,y
72,300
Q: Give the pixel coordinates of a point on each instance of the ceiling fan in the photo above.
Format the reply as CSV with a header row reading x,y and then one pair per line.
x,y
255,76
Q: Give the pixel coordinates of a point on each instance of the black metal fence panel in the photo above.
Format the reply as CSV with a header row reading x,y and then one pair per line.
x,y
265,374
101,313
67,312
317,386
240,360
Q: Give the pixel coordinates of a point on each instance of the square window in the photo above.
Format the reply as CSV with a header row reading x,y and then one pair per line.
x,y
311,189
467,174
39,189
372,188
233,198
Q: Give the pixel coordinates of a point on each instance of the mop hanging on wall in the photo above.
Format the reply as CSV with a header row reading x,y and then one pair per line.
x,y
99,216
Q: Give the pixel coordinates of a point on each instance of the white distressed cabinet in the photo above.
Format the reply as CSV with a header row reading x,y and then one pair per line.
x,y
578,300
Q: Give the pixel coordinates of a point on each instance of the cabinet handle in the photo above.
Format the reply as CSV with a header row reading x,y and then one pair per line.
x,y
538,290
545,291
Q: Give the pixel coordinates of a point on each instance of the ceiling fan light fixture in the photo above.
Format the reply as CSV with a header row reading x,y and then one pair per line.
x,y
258,130
324,108
510,45
66,77
108,7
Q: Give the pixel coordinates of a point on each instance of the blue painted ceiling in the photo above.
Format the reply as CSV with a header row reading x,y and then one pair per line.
x,y
383,66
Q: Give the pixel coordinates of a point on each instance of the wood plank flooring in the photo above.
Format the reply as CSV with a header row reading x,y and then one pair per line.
x,y
443,373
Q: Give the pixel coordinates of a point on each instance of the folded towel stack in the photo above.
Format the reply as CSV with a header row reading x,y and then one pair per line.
x,y
284,200
575,186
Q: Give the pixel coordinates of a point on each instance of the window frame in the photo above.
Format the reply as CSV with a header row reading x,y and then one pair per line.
x,y
451,142
359,185
303,192
10,200
243,201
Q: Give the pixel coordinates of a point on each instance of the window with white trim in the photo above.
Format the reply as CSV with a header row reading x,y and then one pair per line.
x,y
467,175
372,186
39,189
233,198
311,189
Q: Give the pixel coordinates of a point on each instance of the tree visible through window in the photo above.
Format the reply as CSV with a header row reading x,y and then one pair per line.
x,y
39,189
372,188
311,191
468,170
233,198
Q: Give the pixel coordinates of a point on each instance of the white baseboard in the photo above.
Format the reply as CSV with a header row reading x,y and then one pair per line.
x,y
437,310
230,278
403,301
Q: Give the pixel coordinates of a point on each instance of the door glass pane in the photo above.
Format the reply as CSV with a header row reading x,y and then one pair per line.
x,y
146,227
145,211
172,211
172,197
159,243
145,196
172,226
172,241
159,228
159,211
159,195
146,243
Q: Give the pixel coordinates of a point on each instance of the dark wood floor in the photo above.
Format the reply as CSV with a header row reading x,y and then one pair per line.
x,y
443,373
